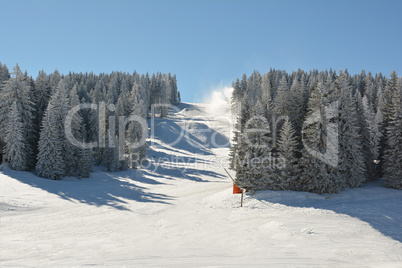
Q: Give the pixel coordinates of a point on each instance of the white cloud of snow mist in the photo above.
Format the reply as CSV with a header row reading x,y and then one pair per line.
x,y
218,98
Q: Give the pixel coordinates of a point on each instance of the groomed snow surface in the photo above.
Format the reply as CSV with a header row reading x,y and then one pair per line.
x,y
179,211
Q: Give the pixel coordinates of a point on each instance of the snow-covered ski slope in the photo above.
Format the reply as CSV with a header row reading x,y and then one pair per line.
x,y
179,211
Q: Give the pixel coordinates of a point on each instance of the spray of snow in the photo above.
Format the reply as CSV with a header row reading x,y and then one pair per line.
x,y
219,99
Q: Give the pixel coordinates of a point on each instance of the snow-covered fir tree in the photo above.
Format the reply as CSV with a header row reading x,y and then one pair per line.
x,y
287,149
351,158
4,74
369,164
316,175
18,90
253,164
85,157
296,110
393,151
374,123
136,146
14,151
72,152
282,100
55,150
41,97
50,163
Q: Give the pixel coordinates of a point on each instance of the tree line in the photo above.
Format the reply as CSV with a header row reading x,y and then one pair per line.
x,y
34,112
317,131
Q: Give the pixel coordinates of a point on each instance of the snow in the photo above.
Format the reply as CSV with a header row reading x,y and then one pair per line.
x,y
180,211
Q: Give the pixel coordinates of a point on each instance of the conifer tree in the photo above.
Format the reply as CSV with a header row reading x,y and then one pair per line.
x,y
282,98
295,110
14,151
393,151
254,152
107,127
51,164
373,123
116,164
98,95
135,135
351,158
54,80
267,95
4,74
287,148
72,152
85,157
370,168
240,117
54,147
42,96
314,176
123,102
17,89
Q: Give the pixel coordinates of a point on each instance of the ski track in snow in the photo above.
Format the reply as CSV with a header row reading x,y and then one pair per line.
x,y
180,211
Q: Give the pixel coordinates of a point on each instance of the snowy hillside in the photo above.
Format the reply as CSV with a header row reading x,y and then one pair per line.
x,y
179,210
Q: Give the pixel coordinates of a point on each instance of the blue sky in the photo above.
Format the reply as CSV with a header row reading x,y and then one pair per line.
x,y
207,44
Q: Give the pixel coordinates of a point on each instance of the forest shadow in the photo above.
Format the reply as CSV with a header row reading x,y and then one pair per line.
x,y
373,203
168,165
192,136
101,189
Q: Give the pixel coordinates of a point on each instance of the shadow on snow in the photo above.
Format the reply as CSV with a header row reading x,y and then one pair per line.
x,y
379,206
189,137
101,189
167,164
